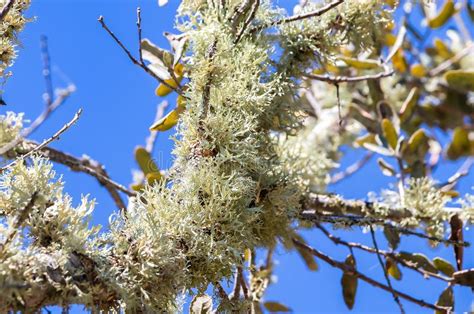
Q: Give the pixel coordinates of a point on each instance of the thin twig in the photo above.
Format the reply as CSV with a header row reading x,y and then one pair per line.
x,y
151,139
87,166
351,169
398,43
46,142
347,268
349,79
6,8
222,294
211,51
449,62
134,60
248,20
139,28
49,96
362,220
392,255
385,273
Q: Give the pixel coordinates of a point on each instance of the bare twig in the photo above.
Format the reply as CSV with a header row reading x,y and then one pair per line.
x,y
49,96
349,79
308,15
392,255
351,169
449,62
46,142
151,139
139,28
134,60
248,20
362,220
222,294
385,273
6,8
211,51
347,268
87,166
398,43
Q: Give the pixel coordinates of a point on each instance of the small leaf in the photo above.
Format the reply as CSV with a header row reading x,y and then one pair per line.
x,y
378,149
443,15
390,133
399,62
154,177
418,70
276,307
367,138
392,235
418,260
308,259
201,304
145,161
392,269
442,49
386,168
349,283
443,266
460,145
163,89
167,122
409,104
446,299
361,64
178,43
460,79
154,54
464,277
457,235
162,2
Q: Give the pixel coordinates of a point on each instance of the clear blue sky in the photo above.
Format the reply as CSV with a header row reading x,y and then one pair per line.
x,y
119,104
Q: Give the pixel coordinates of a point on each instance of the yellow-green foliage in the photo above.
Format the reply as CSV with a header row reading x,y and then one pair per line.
x,y
11,24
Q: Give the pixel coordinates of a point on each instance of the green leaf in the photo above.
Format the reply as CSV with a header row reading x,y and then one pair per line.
x,y
144,160
349,283
464,277
386,168
447,10
307,257
460,145
446,299
366,64
460,79
276,307
418,260
390,133
201,304
443,266
409,104
167,122
457,235
377,149
392,269
392,235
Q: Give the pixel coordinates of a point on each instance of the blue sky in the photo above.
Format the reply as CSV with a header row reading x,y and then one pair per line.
x,y
119,104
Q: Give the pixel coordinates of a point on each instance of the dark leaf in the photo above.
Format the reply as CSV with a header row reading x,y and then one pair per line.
x,y
349,283
276,307
392,269
446,299
392,235
443,266
464,277
457,235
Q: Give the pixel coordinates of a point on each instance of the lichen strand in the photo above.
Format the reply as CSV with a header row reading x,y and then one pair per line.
x,y
10,25
43,245
230,189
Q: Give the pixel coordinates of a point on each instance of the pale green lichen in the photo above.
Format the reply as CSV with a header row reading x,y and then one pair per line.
x,y
11,125
10,26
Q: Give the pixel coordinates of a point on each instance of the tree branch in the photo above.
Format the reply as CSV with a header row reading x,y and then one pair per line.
x,y
6,8
387,278
349,79
347,268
